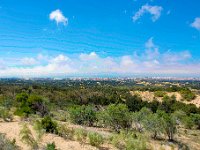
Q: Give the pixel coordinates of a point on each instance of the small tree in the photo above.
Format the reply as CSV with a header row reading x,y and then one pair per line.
x,y
49,125
170,122
154,124
140,117
83,115
117,116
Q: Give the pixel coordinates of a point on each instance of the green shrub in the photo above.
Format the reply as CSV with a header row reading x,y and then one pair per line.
x,y
129,141
187,94
49,125
159,94
95,139
27,137
83,115
5,114
135,144
39,129
117,116
80,135
65,132
50,146
30,104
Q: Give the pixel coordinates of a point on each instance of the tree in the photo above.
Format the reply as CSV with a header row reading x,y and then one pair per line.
x,y
83,115
134,103
140,117
169,123
196,119
117,116
36,103
154,124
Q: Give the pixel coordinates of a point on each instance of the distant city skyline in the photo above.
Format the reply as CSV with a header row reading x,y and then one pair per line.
x,y
99,38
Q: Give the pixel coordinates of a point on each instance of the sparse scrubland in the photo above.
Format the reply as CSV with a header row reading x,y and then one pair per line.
x,y
89,114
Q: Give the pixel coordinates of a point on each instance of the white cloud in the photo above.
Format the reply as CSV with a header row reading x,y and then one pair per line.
x,y
60,59
58,16
62,65
2,64
196,24
126,61
152,51
28,61
172,57
87,57
155,11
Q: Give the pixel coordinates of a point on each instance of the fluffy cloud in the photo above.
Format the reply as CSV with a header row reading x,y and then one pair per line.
x,y
91,63
171,57
152,51
155,11
87,57
28,61
58,16
196,24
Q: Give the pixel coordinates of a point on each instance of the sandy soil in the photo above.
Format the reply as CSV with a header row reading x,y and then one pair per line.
x,y
12,130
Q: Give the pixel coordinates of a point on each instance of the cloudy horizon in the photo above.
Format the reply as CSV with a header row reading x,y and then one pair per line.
x,y
70,38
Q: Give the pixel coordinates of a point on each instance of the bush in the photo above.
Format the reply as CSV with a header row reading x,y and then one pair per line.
x,y
50,146
49,125
27,137
30,104
83,115
65,132
134,103
128,141
159,94
196,119
5,114
5,144
117,116
187,94
95,139
80,135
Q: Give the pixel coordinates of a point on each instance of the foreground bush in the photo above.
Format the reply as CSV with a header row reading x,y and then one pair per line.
x,y
5,144
49,125
187,94
128,141
27,137
80,135
95,139
5,114
83,115
116,116
50,146
65,132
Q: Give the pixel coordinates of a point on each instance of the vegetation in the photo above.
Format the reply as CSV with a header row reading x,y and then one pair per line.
x,y
132,121
27,137
187,94
5,144
49,125
50,146
95,139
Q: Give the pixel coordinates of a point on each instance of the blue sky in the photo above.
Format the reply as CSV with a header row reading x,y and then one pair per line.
x,y
66,37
